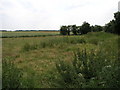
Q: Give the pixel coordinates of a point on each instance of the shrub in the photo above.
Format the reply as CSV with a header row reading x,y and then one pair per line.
x,y
69,76
90,70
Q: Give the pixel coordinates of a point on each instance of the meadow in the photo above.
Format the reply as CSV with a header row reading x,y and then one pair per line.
x,y
50,62
15,34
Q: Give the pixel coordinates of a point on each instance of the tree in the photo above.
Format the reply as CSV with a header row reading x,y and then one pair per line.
x,y
74,29
114,25
96,28
85,28
110,27
63,30
68,29
117,22
79,30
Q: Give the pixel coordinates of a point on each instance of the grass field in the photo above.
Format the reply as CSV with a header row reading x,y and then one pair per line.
x,y
37,56
28,33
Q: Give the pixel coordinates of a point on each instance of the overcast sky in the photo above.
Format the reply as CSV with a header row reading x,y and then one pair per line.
x,y
51,14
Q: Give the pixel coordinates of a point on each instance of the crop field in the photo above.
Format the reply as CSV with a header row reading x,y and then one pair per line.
x,y
28,33
47,62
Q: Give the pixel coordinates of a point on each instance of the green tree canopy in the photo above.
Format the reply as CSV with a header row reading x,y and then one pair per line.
x,y
63,30
117,22
110,27
85,28
96,28
74,29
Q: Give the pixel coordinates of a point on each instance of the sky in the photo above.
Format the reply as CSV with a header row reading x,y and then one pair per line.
x,y
51,14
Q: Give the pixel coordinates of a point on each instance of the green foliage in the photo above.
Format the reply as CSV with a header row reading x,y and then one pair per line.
x,y
63,30
77,30
117,22
74,29
66,71
110,27
110,76
96,28
85,28
114,25
90,70
68,29
11,75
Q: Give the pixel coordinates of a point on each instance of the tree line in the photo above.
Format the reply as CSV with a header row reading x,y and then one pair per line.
x,y
114,25
111,27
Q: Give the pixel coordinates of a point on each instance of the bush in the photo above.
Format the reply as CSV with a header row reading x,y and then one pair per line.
x,y
90,69
11,75
69,76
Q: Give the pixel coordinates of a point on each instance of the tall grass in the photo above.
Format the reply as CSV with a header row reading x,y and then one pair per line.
x,y
53,42
11,75
95,66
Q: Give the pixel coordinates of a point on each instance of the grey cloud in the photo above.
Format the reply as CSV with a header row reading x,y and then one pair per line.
x,y
46,14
